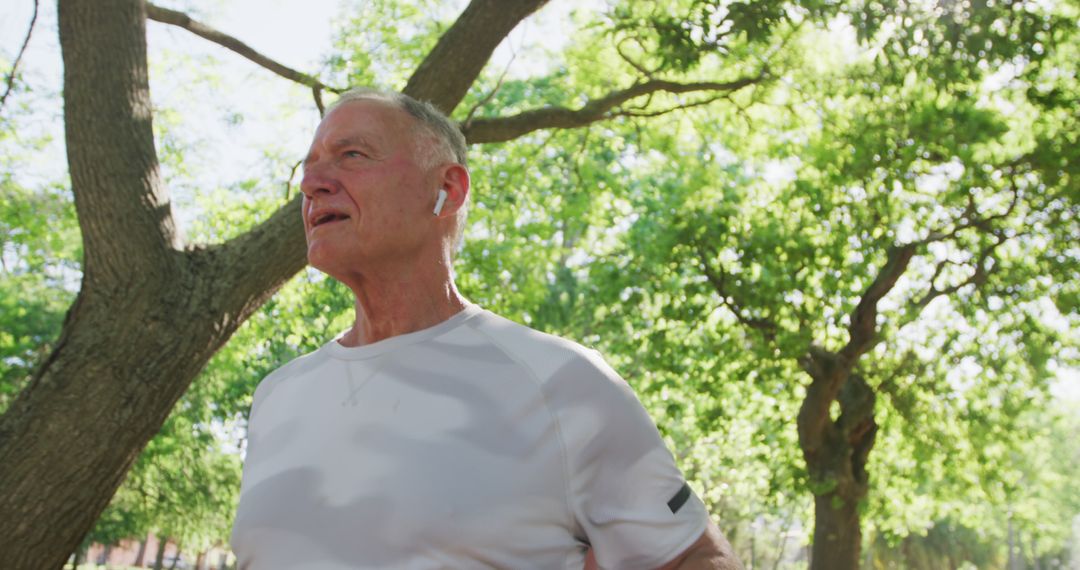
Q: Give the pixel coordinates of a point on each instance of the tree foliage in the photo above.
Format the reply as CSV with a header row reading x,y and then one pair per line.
x,y
717,245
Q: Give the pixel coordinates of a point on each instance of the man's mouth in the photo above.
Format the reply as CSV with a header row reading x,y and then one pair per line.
x,y
327,218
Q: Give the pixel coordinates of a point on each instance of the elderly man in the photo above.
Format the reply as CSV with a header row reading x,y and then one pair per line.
x,y
432,433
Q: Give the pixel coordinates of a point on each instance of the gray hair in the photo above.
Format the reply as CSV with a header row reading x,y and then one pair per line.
x,y
450,143
428,118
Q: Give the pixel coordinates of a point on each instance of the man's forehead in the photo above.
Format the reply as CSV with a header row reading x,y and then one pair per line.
x,y
367,113
370,123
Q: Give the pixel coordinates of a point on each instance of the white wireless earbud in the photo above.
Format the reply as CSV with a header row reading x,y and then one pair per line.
x,y
440,201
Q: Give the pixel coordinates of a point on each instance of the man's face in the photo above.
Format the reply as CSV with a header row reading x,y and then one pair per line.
x,y
366,197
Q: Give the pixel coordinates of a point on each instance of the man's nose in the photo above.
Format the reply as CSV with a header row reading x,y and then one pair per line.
x,y
315,181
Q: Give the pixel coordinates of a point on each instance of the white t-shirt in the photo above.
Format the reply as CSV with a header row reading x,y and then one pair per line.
x,y
475,443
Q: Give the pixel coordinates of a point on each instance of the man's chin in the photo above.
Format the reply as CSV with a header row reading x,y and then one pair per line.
x,y
333,263
321,259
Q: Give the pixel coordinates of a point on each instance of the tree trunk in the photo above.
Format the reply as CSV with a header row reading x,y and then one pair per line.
x,y
140,557
176,558
837,469
1011,563
69,439
159,558
837,535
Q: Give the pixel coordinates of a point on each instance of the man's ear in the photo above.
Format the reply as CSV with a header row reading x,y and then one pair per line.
x,y
455,181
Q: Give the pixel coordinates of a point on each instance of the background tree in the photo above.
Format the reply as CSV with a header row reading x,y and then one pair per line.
x,y
907,186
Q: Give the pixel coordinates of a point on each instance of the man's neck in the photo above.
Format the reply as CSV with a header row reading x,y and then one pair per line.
x,y
387,308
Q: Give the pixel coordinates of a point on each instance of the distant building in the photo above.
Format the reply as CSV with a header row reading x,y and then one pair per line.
x,y
143,554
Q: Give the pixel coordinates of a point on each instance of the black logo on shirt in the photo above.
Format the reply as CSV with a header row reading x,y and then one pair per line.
x,y
679,499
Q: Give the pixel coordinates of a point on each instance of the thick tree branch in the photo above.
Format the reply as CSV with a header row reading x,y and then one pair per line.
x,y
863,327
506,128
124,212
22,49
830,371
827,376
445,75
167,16
257,262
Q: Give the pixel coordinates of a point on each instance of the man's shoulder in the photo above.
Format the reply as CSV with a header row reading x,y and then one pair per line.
x,y
292,368
515,335
547,355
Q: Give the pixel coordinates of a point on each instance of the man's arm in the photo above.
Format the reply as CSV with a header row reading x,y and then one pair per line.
x,y
710,552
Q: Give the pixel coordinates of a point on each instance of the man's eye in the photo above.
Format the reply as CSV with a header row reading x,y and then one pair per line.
x,y
353,154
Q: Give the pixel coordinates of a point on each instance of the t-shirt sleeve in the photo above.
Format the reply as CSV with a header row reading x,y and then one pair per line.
x,y
628,498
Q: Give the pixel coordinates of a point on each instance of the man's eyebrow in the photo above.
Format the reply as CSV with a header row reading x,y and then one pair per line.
x,y
344,142
351,141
